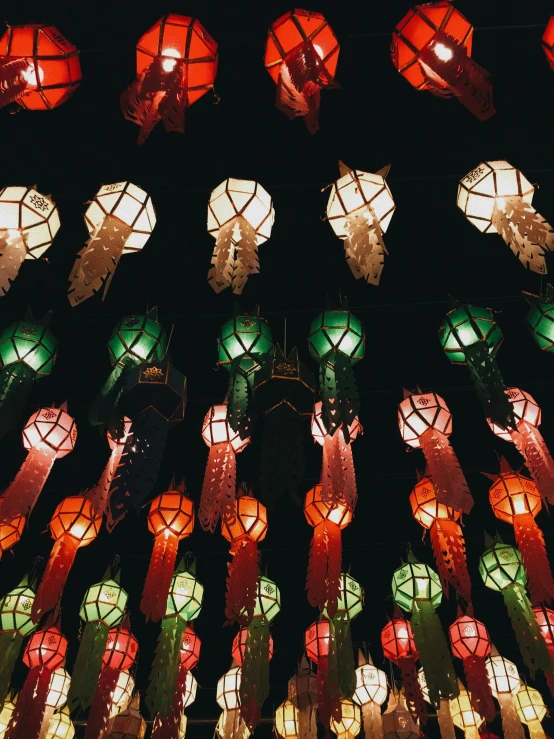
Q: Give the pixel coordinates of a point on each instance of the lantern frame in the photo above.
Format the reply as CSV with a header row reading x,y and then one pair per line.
x,y
52,428
545,621
418,413
287,720
15,611
238,649
31,214
11,532
425,506
46,648
247,199
30,343
469,638
540,320
121,649
350,723
246,337
185,596
503,675
525,409
356,191
350,599
529,705
371,685
75,516
465,326
397,640
189,653
316,510
512,495
171,513
462,713
216,429
58,689
317,639
139,338
247,521
320,433
61,726
228,689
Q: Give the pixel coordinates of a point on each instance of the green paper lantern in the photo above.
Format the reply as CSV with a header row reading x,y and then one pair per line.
x,y
416,581
337,331
15,624
137,339
501,565
106,602
185,596
245,340
350,601
540,319
465,326
268,599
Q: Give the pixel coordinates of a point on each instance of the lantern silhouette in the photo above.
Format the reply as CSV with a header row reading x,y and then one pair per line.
x,y
61,726
52,71
531,710
27,352
370,694
324,567
15,624
301,56
350,722
170,519
29,221
496,198
287,720
102,608
528,440
548,41
44,654
464,716
230,724
49,434
470,335
320,646
431,48
128,724
446,536
501,568
240,218
545,621
119,220
176,66
515,499
398,723
504,684
302,691
75,524
444,717
359,210
425,423
470,642
338,477
416,588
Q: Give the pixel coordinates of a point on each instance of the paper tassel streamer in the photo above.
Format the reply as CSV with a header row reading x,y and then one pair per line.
x,y
504,684
102,609
548,41
14,79
240,218
444,717
529,442
324,567
15,624
49,434
27,352
370,694
117,436
349,605
244,346
359,210
302,691
128,724
470,335
284,394
496,198
44,653
531,710
321,649
398,722
220,478
301,55
119,220
338,477
545,621
501,567
431,48
176,66
244,527
350,722
464,715
425,423
174,726
337,342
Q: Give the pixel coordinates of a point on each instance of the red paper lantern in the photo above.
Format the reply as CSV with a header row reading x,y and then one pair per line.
x,y
46,648
121,649
190,649
10,533
319,641
471,643
545,620
53,72
397,641
238,649
301,56
548,41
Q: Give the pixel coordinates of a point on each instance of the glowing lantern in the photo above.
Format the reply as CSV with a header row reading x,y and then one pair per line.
x,y
302,691
230,724
531,710
548,41
505,683
398,722
27,352
324,568
359,210
176,66
515,499
416,588
102,608
446,536
123,693
29,222
52,71
444,717
370,694
287,720
49,434
425,423
240,218
496,198
350,722
8,707
13,79
320,646
470,335
464,716
471,643
61,726
15,624
501,567
301,55
128,724
338,477
545,621
119,220
431,48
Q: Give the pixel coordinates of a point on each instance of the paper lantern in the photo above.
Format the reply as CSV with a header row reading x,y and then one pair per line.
x,y
301,56
176,66
11,532
471,643
496,198
27,352
302,692
370,694
359,210
119,220
53,70
338,477
231,726
337,342
431,48
416,588
240,218
470,335
398,722
320,644
324,567
425,423
397,641
505,683
61,726
29,221
444,717
15,624
531,710
548,41
49,434
350,722
464,716
123,693
287,720
128,724
515,499
446,536
501,568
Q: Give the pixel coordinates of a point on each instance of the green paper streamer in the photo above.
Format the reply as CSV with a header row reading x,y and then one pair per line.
x,y
162,682
104,404
339,393
524,623
489,384
346,669
254,685
10,647
88,665
238,398
434,654
331,678
16,382
328,392
282,439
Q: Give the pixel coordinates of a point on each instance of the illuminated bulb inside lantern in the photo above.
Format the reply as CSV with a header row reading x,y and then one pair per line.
x,y
12,235
443,52
319,51
168,65
500,202
421,586
346,344
519,505
78,530
30,75
402,633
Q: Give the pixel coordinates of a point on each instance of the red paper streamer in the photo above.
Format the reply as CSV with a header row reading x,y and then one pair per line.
x,y
530,542
450,555
99,714
158,578
55,576
20,497
479,688
323,580
219,488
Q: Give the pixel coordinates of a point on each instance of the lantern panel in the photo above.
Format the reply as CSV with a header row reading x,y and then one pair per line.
x,y
425,507
121,649
244,335
52,428
529,705
469,638
123,692
45,648
397,640
5,715
545,620
238,650
106,602
287,720
185,596
463,715
317,639
355,191
189,694
548,41
421,411
76,517
33,215
171,513
513,495
503,676
248,521
61,726
540,319
244,198
138,338
268,599
15,611
216,430
415,581
501,565
316,510
465,326
371,686
351,597
228,689
30,343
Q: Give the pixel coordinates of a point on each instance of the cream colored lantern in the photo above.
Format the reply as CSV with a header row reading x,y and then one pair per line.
x,y
230,724
504,683
287,720
463,715
370,694
531,710
123,692
189,694
61,726
351,721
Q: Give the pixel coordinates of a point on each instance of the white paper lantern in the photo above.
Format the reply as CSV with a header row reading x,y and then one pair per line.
x,y
503,675
371,686
228,689
122,693
189,695
58,689
26,211
5,715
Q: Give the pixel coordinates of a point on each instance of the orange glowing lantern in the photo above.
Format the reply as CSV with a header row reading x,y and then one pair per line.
x,y
548,41
176,66
431,48
75,524
10,533
170,519
516,500
320,645
301,56
324,568
53,70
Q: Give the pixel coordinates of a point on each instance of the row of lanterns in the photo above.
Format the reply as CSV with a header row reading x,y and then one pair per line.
x,y
176,64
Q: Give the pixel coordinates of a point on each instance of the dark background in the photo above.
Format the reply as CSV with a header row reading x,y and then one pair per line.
x,y
375,119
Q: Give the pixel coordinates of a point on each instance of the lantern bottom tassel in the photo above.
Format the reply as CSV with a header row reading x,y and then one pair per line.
x,y
323,580
169,727
373,723
412,690
55,576
158,578
307,722
338,479
339,393
27,718
165,667
328,698
524,230
444,718
99,714
235,256
102,407
88,665
450,555
12,82
10,647
219,487
511,725
489,385
445,471
242,583
550,681
15,385
254,685
529,442
524,623
238,394
364,246
478,687
530,542
20,497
